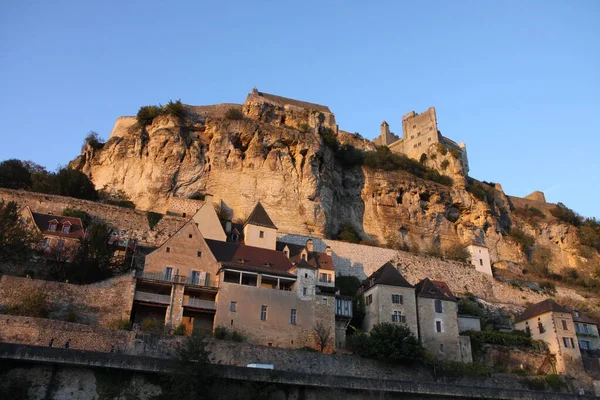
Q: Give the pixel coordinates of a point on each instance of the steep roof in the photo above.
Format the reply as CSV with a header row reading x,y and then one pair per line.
x,y
583,318
387,275
428,289
314,258
42,221
443,286
259,217
541,308
250,258
303,104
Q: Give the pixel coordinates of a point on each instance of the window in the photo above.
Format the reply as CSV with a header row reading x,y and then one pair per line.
x,y
199,253
441,348
52,227
190,236
398,317
303,257
261,234
369,299
564,325
195,277
66,229
325,278
303,291
438,326
306,275
480,261
566,342
438,306
184,215
572,343
263,313
541,327
233,306
324,301
293,317
397,299
60,244
528,331
46,242
577,313
168,273
168,249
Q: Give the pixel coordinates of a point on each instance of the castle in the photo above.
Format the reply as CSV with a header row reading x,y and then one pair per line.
x,y
419,132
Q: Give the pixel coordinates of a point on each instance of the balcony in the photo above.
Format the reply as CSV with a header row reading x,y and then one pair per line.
x,y
343,308
202,304
153,298
163,277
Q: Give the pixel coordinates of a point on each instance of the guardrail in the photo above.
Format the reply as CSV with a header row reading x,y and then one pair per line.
x,y
152,297
161,276
198,303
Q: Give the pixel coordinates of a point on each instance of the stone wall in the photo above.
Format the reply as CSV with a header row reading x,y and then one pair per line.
x,y
39,332
511,357
361,261
134,222
97,304
444,344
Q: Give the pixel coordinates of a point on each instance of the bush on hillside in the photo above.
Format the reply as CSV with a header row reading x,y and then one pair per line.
x,y
174,109
93,140
387,342
32,304
522,238
77,213
14,175
153,218
565,214
444,165
329,138
146,115
348,234
470,307
234,114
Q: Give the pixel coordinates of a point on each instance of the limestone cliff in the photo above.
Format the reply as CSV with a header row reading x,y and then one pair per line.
x,y
276,154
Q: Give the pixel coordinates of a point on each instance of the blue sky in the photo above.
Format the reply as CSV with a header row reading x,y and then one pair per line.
x,y
518,81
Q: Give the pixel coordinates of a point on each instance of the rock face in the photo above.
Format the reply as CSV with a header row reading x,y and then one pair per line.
x,y
276,154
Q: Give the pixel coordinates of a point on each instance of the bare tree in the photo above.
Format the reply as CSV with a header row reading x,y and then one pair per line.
x,y
323,335
58,257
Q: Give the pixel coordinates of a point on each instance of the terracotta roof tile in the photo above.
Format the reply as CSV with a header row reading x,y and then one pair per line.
x,y
42,221
314,258
251,258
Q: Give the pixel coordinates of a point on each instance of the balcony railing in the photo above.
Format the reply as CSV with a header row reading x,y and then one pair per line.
x,y
197,303
161,276
153,297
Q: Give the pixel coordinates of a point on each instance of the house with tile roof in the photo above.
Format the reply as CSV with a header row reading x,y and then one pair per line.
x,y
259,229
60,234
389,298
438,320
553,323
586,329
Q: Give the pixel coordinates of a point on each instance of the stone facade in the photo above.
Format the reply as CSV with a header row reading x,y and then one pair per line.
x,y
513,358
278,328
480,258
260,236
208,222
443,341
381,307
550,327
100,303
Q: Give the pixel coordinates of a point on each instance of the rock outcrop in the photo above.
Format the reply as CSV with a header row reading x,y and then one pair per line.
x,y
276,154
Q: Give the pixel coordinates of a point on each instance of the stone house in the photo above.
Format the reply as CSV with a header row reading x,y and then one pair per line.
x,y
59,233
389,298
202,212
269,296
419,132
586,330
480,258
553,323
438,320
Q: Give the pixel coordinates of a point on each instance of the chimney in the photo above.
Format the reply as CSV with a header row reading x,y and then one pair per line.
x,y
328,250
228,227
309,245
208,198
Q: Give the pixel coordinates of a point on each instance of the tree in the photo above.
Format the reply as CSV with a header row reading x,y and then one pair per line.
x,y
322,335
93,140
17,240
193,376
349,234
58,257
93,261
14,175
73,183
392,343
457,252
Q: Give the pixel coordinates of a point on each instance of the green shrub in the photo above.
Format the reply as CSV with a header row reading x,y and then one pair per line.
x,y
71,316
120,203
348,234
444,165
221,333
589,234
522,238
514,338
423,158
151,325
174,109
234,114
548,287
555,382
329,138
180,330
349,155
457,252
538,384
93,140
32,304
470,307
153,218
121,324
391,343
565,214
237,337
480,191
442,149
303,127
77,213
146,115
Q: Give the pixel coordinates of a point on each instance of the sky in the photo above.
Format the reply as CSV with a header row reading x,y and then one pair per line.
x,y
517,81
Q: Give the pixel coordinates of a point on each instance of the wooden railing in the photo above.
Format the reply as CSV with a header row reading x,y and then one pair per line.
x,y
153,297
161,276
198,303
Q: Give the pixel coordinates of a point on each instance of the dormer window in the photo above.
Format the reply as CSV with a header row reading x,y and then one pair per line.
x,y
235,237
66,228
303,257
52,226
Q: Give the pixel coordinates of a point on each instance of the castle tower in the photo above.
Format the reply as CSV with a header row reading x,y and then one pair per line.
x,y
385,129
